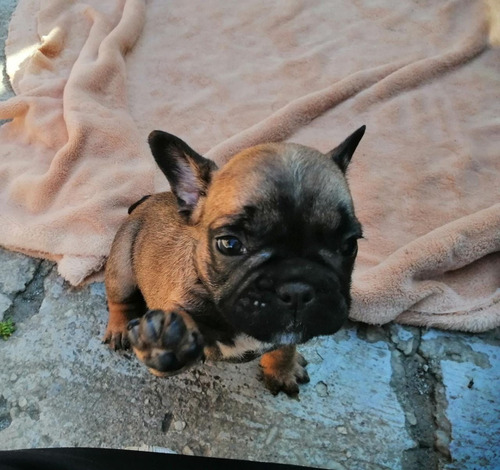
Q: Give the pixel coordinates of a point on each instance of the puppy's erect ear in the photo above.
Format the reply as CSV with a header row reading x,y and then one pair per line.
x,y
342,154
188,173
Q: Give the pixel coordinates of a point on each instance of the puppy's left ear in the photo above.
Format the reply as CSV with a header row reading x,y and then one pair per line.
x,y
343,153
188,173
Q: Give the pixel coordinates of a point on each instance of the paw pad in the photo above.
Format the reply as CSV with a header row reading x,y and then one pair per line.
x,y
164,342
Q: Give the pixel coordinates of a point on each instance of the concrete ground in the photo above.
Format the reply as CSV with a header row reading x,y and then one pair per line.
x,y
379,398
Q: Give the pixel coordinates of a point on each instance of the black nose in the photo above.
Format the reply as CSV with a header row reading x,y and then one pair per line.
x,y
295,294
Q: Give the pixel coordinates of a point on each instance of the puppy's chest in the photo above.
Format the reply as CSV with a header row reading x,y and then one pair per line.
x,y
241,348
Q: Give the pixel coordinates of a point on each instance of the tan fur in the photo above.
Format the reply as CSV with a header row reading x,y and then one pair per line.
x,y
151,248
152,259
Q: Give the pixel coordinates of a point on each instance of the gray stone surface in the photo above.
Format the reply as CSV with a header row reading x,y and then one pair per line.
x,y
63,387
387,397
469,369
372,403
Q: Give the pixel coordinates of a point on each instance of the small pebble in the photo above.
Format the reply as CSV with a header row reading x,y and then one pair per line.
x,y
373,335
22,402
321,389
342,430
179,425
272,435
407,347
186,450
442,442
411,418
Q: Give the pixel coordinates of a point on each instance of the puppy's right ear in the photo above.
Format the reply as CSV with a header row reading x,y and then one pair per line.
x,y
188,173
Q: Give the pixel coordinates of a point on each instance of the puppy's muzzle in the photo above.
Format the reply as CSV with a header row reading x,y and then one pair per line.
x,y
288,301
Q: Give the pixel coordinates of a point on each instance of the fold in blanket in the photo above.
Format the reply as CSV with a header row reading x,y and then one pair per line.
x,y
93,79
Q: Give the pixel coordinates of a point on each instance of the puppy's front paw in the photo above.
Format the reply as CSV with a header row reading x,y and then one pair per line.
x,y
283,370
167,342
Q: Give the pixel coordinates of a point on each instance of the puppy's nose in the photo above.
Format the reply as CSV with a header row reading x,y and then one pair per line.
x,y
295,294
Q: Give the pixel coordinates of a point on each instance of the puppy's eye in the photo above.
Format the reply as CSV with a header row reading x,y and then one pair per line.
x,y
230,246
349,247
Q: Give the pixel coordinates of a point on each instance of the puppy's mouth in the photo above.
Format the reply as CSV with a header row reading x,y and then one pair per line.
x,y
288,306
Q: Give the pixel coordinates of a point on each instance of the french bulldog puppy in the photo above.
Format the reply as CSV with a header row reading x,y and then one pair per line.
x,y
234,263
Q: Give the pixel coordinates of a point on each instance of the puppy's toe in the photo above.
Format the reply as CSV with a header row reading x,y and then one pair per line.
x,y
192,348
134,336
301,360
277,383
291,388
174,331
163,362
116,340
301,375
152,326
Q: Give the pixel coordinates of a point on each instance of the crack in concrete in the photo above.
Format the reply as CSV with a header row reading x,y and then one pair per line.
x,y
27,302
420,393
417,387
453,349
5,417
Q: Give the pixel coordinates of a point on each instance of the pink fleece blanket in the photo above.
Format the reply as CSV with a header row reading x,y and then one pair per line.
x,y
93,79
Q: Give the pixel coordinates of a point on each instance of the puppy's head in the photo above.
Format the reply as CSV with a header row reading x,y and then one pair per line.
x,y
277,233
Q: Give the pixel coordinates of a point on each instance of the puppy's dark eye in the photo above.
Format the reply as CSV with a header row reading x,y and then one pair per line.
x,y
349,247
230,246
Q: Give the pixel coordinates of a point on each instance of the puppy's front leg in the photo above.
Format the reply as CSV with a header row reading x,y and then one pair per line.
x,y
167,342
283,370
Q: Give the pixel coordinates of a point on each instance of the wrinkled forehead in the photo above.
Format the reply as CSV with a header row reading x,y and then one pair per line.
x,y
280,180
